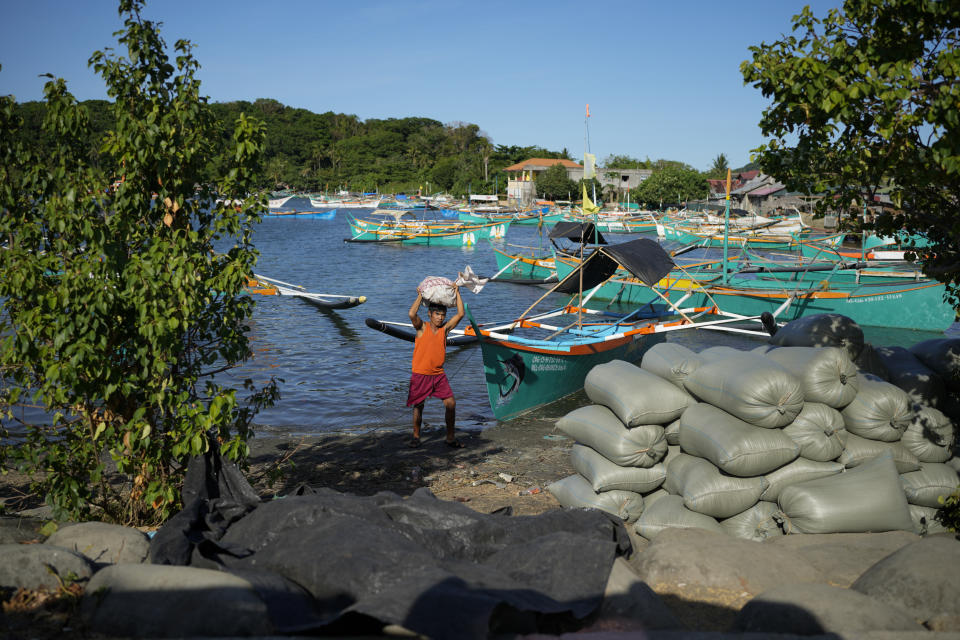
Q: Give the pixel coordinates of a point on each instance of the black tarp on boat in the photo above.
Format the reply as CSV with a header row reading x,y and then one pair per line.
x,y
328,562
579,232
642,257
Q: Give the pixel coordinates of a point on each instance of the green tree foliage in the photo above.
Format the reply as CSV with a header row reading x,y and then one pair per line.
x,y
116,311
867,97
328,151
554,183
719,167
669,183
625,162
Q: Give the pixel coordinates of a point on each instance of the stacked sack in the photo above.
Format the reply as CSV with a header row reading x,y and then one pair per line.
x,y
907,408
620,441
773,441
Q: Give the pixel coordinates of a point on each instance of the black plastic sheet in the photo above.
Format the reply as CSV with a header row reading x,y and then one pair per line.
x,y
348,564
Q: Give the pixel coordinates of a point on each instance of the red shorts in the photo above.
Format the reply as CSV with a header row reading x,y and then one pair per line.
x,y
424,386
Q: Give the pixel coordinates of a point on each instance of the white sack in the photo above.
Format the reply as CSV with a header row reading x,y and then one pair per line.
x,y
750,387
705,489
760,522
604,475
819,431
929,436
827,374
880,410
738,448
601,430
865,499
668,512
671,361
636,396
926,486
575,492
860,450
800,470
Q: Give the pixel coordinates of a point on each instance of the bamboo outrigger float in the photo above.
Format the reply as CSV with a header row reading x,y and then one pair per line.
x,y
263,285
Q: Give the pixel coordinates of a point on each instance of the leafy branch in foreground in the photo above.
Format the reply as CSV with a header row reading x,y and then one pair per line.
x,y
865,99
117,312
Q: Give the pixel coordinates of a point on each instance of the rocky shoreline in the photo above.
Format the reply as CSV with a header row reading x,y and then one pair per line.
x,y
687,583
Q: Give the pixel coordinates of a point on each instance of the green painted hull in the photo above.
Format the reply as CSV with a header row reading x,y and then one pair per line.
x,y
875,301
531,268
520,378
466,236
521,219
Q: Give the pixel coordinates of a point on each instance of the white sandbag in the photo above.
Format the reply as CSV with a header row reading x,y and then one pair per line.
x,y
760,522
865,499
926,486
821,330
601,430
819,431
943,356
672,432
860,450
636,396
438,290
880,411
750,387
604,475
930,435
827,374
925,521
671,361
800,470
575,492
705,489
907,371
719,352
650,498
738,448
669,513
953,463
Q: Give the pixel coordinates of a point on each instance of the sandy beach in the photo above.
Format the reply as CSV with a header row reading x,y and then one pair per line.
x,y
528,458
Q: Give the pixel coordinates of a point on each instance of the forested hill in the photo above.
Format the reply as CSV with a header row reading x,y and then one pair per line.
x,y
324,151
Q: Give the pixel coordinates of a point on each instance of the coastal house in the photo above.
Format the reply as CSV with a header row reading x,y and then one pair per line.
x,y
521,177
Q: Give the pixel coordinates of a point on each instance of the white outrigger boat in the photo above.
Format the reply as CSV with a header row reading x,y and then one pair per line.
x,y
263,285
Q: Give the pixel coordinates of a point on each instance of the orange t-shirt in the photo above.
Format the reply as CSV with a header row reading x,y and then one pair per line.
x,y
429,350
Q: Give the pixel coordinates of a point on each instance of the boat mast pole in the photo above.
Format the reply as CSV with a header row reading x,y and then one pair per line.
x,y
863,232
726,224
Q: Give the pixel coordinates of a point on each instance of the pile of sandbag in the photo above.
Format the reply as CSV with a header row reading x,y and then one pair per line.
x,y
758,443
620,441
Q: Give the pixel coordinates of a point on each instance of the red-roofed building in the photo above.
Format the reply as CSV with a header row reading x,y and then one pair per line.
x,y
522,176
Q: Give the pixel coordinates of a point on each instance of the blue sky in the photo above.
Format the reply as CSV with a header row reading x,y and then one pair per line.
x,y
662,78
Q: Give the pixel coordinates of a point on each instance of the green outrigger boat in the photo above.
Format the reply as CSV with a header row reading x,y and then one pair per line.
x,y
424,233
872,294
536,360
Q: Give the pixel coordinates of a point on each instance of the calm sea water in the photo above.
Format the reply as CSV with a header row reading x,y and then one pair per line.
x,y
340,375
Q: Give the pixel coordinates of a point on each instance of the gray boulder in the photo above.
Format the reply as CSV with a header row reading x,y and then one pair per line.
x,y
163,601
14,530
35,566
714,560
843,557
810,609
629,602
103,543
922,577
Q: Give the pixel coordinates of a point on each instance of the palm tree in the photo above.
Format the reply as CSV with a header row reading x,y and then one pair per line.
x,y
720,166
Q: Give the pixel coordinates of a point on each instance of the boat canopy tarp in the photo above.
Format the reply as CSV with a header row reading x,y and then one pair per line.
x,y
577,232
597,269
642,257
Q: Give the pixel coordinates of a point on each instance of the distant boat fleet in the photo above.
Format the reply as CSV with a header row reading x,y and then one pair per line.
x,y
772,270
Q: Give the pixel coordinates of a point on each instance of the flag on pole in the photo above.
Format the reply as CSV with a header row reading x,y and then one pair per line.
x,y
589,166
588,207
588,109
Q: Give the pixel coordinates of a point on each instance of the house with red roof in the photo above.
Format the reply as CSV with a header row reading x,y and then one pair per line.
x,y
521,177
